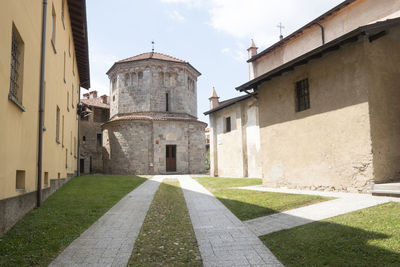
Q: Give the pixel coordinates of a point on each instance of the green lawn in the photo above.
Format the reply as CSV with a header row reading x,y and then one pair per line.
x,y
43,233
167,237
249,204
369,237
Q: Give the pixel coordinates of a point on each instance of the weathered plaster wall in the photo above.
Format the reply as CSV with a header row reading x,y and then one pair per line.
x,y
384,97
359,13
253,143
327,146
236,153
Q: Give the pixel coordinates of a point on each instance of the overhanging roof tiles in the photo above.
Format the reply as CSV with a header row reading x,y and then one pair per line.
x,y
77,12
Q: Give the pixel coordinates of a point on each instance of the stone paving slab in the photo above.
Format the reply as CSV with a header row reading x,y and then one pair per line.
x,y
223,239
110,240
346,202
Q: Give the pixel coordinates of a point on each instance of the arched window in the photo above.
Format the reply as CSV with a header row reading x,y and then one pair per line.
x,y
114,84
161,78
127,79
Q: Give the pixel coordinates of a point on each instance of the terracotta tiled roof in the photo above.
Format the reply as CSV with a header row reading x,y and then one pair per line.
x,y
154,116
154,55
97,102
227,103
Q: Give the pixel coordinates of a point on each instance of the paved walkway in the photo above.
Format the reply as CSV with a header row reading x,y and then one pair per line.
x,y
110,240
345,203
223,239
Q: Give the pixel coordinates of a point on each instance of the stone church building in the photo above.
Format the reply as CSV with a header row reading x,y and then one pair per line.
x,y
153,126
328,101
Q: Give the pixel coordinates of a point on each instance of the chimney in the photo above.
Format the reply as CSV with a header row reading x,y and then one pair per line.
x,y
86,96
93,94
214,99
252,51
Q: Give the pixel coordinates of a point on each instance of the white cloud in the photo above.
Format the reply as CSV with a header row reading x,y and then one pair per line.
x,y
175,15
100,87
258,19
225,50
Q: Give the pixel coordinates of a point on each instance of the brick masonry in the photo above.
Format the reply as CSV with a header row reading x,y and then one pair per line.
x,y
141,126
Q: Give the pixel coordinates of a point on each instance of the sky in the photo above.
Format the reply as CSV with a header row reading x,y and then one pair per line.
x,y
212,35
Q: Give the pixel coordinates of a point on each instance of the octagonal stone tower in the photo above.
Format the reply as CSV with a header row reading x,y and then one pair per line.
x,y
153,126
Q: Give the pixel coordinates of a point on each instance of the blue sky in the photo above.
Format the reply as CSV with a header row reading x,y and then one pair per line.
x,y
212,35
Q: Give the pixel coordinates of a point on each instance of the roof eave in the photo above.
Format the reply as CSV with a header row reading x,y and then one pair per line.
x,y
316,53
136,60
77,12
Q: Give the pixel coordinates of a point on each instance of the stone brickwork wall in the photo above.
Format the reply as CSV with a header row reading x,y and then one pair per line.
x,y
139,147
90,146
142,124
142,86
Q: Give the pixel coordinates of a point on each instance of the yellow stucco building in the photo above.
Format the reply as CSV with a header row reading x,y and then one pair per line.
x,y
43,63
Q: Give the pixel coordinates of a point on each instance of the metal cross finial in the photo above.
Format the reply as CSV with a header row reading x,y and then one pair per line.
x,y
152,44
280,26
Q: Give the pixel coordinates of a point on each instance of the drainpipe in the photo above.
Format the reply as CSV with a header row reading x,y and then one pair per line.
x,y
322,33
79,108
41,104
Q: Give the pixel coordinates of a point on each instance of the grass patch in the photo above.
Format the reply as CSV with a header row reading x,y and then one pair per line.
x,y
250,204
43,233
167,237
369,237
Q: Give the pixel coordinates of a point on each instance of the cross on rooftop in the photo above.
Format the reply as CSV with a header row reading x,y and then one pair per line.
x,y
280,26
152,46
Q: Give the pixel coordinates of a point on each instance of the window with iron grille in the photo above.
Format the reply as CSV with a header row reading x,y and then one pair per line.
x,y
17,47
302,95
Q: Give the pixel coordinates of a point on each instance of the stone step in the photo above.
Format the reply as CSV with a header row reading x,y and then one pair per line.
x,y
388,193
388,186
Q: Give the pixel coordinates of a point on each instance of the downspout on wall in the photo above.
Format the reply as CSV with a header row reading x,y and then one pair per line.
x,y
322,33
41,105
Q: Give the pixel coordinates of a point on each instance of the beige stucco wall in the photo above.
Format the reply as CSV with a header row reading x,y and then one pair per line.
x,y
236,153
19,130
384,97
357,14
327,146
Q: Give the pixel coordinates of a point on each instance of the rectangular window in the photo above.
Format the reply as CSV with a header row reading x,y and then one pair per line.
x,y
46,179
69,46
166,102
73,65
63,12
53,29
99,140
302,95
70,144
62,133
75,146
67,101
66,158
84,138
17,62
58,125
64,68
20,180
72,97
228,124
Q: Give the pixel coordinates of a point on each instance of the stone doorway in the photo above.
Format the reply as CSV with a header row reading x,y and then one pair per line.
x,y
170,158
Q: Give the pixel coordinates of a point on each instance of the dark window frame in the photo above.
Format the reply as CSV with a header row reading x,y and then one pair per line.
x,y
228,125
302,90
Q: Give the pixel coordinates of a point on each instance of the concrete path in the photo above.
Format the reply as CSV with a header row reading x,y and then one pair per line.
x,y
223,239
109,241
345,203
